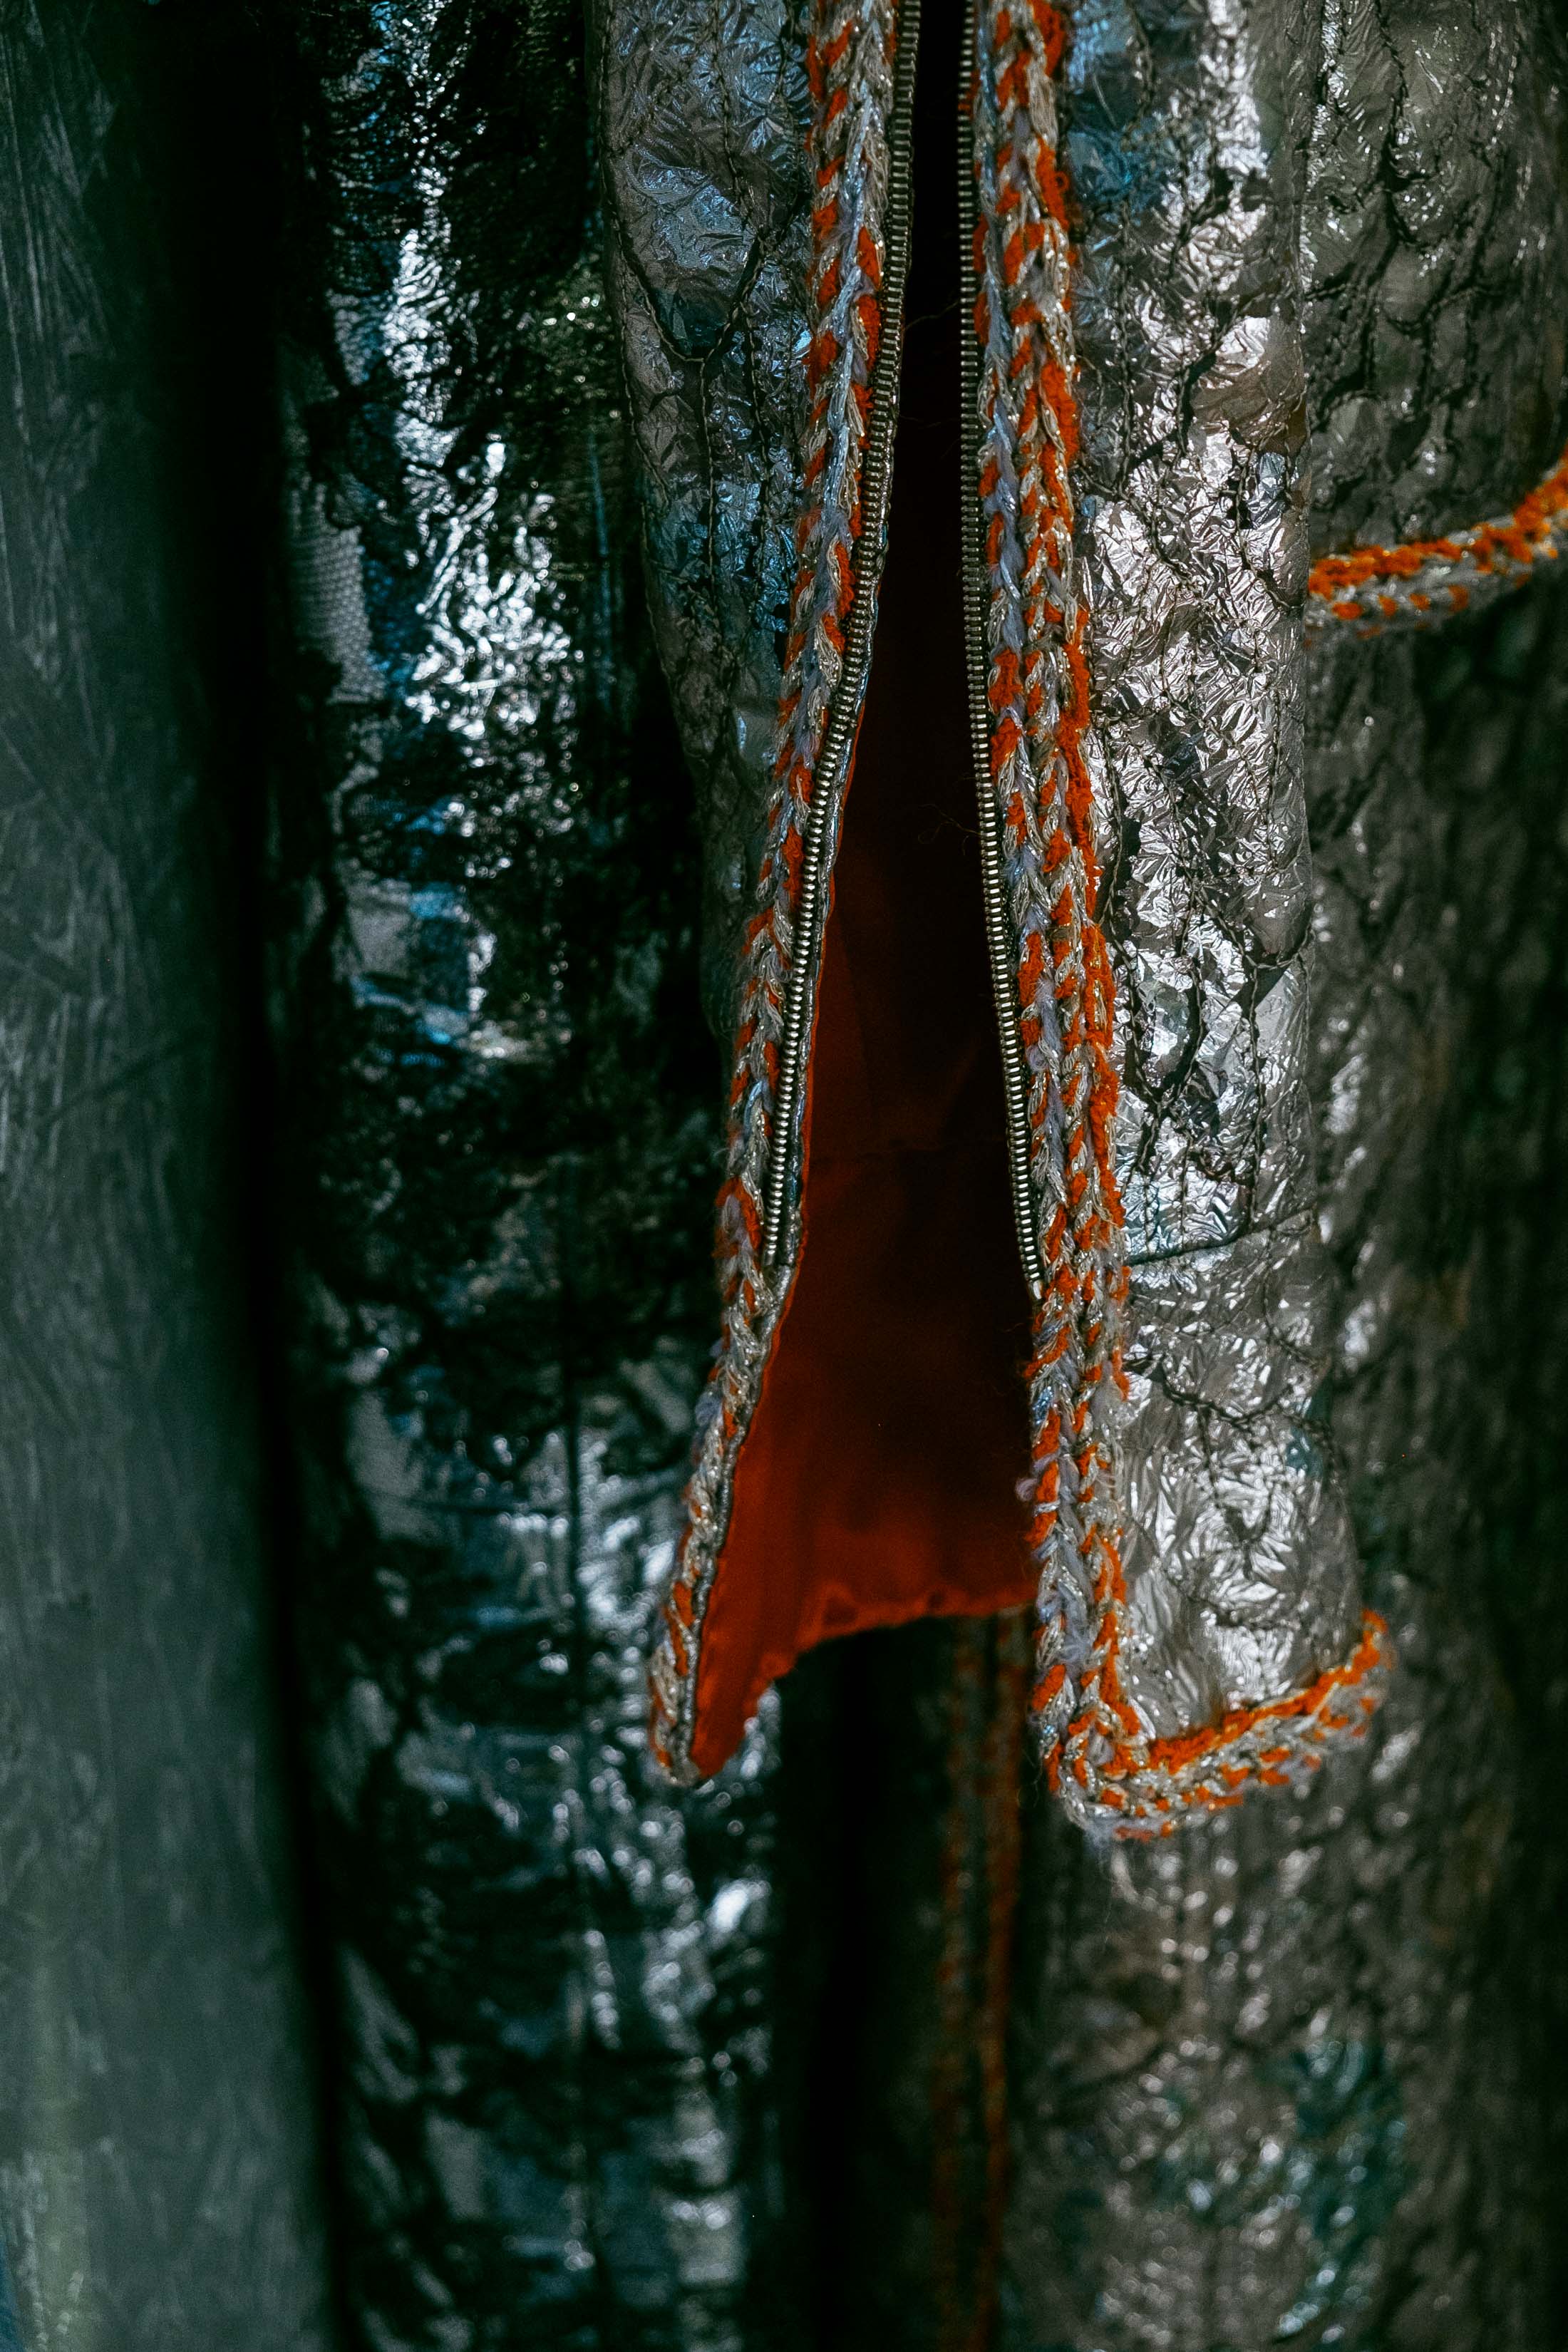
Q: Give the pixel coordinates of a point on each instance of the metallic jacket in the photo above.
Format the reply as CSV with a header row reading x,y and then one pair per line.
x,y
1146,208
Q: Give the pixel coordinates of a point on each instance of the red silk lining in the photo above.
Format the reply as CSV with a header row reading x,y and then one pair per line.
x,y
878,1481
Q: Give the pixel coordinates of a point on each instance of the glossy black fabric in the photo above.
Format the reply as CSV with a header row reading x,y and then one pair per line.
x,y
553,2041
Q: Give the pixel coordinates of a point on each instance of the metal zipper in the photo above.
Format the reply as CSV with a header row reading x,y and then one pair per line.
x,y
876,483
839,735
998,930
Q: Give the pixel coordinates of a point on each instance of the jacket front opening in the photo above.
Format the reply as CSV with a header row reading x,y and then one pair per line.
x,y
878,1481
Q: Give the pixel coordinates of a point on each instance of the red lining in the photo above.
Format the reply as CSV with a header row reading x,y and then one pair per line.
x,y
878,1481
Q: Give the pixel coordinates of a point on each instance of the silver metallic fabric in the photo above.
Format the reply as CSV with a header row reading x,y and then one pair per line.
x,y
1240,1575
1299,2081
1187,162
1263,2085
159,2184
702,128
552,2042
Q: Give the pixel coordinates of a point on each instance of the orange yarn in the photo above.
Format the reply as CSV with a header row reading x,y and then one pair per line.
x,y
1433,576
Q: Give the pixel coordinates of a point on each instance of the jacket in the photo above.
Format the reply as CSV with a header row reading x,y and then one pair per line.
x,y
1142,501
859,2042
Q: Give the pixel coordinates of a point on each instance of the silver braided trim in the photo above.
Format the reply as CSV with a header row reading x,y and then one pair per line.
x,y
1112,1774
1427,580
849,59
1038,698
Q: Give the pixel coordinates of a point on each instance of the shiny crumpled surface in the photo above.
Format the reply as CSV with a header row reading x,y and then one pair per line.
x,y
553,2044
1185,159
1287,2078
1297,2077
707,215
1434,248
158,2175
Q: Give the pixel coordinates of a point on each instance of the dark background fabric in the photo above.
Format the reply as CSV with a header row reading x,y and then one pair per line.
x,y
158,2180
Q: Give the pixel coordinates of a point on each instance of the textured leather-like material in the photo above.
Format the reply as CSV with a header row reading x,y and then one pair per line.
x,y
1214,1505
1434,248
1293,2078
551,2041
1247,2101
1306,2070
1184,145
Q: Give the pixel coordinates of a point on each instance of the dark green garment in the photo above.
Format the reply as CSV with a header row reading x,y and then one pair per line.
x,y
158,2177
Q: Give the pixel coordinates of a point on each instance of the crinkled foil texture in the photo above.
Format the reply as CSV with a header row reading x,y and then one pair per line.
x,y
1292,2078
1297,2078
702,127
552,2049
158,2175
1185,154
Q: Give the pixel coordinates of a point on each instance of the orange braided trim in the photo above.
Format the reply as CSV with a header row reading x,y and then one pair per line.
x,y
1147,1786
1112,1774
849,53
1427,579
1315,1702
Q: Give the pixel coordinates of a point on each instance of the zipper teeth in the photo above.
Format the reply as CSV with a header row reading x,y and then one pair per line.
x,y
998,932
875,482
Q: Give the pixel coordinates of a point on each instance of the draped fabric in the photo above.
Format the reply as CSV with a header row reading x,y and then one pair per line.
x,y
159,2174
390,653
